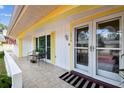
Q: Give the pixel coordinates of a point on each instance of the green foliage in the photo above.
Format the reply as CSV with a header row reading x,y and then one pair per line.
x,y
2,26
41,50
2,64
1,54
37,50
5,81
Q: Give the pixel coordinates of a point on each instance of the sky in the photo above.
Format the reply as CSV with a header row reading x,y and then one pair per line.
x,y
5,14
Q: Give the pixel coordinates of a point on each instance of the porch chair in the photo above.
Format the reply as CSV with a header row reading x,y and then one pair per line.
x,y
42,54
34,56
28,55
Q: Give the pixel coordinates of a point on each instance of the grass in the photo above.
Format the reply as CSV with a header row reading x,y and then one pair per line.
x,y
2,65
5,81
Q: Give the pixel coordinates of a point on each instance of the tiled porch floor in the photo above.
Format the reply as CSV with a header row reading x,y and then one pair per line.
x,y
41,75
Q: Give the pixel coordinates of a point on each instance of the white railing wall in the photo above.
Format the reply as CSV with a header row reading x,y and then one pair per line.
x,y
13,70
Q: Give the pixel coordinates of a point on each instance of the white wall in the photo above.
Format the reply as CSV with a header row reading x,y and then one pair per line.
x,y
62,46
27,45
61,28
16,48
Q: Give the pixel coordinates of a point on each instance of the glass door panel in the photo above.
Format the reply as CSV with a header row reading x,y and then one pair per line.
x,y
81,47
36,43
108,48
82,56
42,44
97,48
48,47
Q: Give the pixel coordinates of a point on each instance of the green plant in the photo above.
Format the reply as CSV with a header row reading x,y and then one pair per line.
x,y
1,54
37,50
5,81
41,50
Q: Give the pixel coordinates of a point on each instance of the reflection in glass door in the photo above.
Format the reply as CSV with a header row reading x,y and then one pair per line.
x,y
98,46
108,48
42,43
81,47
45,45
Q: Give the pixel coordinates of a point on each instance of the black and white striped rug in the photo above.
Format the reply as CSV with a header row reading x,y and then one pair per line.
x,y
79,81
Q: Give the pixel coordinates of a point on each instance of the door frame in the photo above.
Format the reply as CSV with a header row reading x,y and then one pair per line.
x,y
93,67
103,72
47,60
89,70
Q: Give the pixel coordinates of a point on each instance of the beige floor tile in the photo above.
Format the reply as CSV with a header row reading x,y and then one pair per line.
x,y
41,75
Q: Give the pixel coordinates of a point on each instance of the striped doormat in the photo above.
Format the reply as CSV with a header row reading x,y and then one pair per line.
x,y
82,81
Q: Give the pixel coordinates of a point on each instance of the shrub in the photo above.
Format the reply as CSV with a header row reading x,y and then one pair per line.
x,y
1,54
5,81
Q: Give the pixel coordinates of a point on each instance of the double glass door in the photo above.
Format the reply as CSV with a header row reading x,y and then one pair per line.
x,y
98,47
44,45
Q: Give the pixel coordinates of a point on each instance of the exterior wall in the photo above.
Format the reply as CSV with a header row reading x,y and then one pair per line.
x,y
27,45
60,28
23,46
63,47
63,29
16,48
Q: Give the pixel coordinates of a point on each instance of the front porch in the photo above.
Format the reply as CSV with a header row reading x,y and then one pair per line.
x,y
41,74
91,44
46,75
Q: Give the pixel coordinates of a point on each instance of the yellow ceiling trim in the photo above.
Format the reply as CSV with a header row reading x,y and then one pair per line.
x,y
101,14
76,10
58,11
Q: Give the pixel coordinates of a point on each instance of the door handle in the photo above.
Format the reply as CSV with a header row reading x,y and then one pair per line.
x,y
122,55
90,48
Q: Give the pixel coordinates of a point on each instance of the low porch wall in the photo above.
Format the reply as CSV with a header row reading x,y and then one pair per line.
x,y
13,70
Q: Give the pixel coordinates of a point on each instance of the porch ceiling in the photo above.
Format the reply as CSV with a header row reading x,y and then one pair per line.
x,y
28,16
33,17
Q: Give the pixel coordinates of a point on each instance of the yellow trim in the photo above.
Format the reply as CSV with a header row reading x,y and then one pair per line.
x,y
101,14
20,47
59,13
89,18
52,48
71,48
